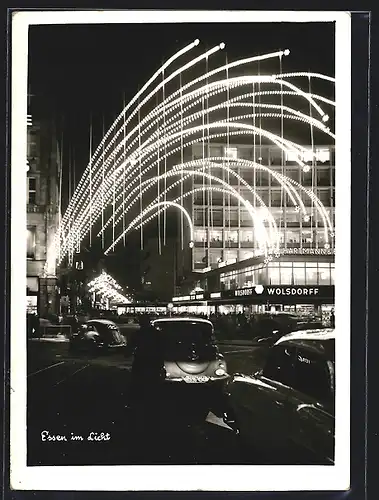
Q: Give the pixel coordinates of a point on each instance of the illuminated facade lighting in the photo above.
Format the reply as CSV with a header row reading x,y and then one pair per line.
x,y
125,168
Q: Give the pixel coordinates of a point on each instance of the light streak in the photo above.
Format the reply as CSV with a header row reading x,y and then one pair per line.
x,y
130,151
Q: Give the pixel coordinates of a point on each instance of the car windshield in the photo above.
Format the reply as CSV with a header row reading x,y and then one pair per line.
x,y
184,339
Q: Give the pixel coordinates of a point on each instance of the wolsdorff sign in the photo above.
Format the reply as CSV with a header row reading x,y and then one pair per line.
x,y
268,291
265,293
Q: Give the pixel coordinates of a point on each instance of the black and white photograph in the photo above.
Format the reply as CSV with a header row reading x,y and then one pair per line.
x,y
183,179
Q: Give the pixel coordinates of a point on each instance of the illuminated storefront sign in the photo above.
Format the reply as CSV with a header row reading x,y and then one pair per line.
x,y
307,251
265,293
270,292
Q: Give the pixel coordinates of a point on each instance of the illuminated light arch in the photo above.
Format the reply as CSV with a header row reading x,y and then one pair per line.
x,y
191,83
209,162
274,138
211,188
246,203
152,207
230,189
134,99
176,170
321,208
243,79
74,221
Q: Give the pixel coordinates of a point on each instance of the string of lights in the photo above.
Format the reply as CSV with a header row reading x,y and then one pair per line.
x,y
126,163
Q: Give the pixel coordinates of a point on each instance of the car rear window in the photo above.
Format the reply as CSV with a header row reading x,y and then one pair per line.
x,y
185,330
110,333
181,338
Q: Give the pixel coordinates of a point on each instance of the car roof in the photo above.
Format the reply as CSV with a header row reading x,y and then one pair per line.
x,y
181,319
312,334
320,341
103,321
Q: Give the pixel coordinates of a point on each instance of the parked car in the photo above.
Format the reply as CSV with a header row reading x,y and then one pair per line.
x,y
97,336
268,327
286,410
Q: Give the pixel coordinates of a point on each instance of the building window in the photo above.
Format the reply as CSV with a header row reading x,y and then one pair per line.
x,y
31,243
273,275
262,177
322,155
32,190
200,257
324,196
230,153
299,273
200,235
323,177
324,274
277,198
216,237
230,256
199,217
246,254
231,238
286,274
293,238
231,218
215,256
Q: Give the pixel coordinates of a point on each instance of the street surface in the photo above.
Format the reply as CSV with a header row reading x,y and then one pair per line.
x,y
82,405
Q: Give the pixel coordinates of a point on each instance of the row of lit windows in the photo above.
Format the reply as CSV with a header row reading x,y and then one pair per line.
x,y
226,237
269,155
235,218
281,273
271,197
321,177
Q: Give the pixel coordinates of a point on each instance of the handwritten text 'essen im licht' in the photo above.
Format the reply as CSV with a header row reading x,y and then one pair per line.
x,y
92,436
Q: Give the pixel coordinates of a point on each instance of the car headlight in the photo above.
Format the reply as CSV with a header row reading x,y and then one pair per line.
x,y
220,371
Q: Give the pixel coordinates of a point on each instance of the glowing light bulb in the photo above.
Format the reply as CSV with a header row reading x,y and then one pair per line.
x,y
327,246
286,52
306,168
222,45
191,244
196,42
325,118
306,218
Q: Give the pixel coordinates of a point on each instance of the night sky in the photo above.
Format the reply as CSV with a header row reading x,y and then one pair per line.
x,y
85,70
82,72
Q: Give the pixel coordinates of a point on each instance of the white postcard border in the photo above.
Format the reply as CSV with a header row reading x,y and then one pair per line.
x,y
154,478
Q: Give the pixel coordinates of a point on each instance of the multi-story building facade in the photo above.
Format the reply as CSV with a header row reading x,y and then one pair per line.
x,y
42,216
223,228
227,263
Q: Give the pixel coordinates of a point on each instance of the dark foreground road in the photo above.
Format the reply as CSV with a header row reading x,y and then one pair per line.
x,y
84,404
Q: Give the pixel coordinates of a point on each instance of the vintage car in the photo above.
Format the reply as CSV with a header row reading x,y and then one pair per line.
x,y
268,328
285,412
97,336
190,351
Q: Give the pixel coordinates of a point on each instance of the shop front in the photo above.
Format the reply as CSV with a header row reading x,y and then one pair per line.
x,y
303,300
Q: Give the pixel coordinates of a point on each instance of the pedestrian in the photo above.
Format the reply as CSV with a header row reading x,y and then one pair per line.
x,y
148,363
